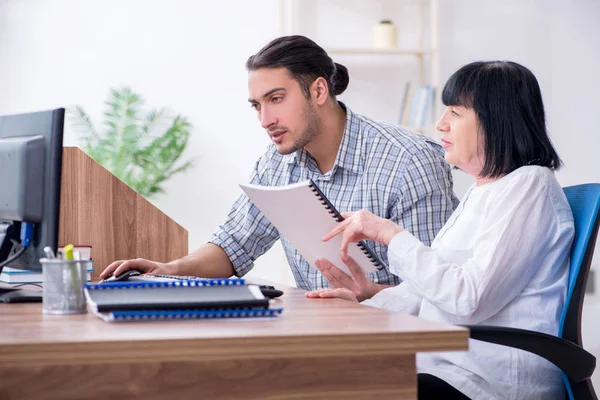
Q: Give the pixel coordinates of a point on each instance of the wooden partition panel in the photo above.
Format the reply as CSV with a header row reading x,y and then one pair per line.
x,y
98,209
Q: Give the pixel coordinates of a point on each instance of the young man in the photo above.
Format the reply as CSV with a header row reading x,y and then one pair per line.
x,y
357,162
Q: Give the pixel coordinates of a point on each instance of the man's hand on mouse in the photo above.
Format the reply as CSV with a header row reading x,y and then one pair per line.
x,y
139,264
123,277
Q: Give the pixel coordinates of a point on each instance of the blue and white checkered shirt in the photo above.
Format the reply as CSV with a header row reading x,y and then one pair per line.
x,y
394,173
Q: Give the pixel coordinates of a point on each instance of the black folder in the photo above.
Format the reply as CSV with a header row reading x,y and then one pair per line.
x,y
138,296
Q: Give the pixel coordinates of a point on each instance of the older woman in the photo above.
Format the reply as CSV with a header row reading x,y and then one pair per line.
x,y
503,256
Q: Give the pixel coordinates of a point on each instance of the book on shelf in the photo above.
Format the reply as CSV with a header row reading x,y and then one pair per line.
x,y
422,106
303,215
418,107
193,299
431,106
406,100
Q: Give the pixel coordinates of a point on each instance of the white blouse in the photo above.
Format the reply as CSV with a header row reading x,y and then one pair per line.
x,y
501,259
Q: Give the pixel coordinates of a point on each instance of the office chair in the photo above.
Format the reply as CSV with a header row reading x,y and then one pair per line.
x,y
565,351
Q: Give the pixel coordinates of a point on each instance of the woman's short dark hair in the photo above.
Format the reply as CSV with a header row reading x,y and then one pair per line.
x,y
305,60
507,100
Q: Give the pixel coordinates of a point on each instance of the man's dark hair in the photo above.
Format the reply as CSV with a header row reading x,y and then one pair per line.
x,y
305,61
507,100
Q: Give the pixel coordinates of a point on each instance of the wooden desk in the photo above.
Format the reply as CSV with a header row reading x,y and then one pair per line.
x,y
317,349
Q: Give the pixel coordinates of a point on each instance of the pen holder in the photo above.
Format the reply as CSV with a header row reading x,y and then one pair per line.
x,y
64,281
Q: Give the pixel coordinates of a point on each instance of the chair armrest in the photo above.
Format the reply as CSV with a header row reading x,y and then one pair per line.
x,y
574,361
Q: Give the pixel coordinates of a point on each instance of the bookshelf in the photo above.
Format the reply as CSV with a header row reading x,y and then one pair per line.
x,y
421,52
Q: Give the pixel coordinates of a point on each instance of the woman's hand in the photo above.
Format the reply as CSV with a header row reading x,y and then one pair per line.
x,y
363,225
332,293
357,287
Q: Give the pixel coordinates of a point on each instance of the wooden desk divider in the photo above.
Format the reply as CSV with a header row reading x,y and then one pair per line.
x,y
98,209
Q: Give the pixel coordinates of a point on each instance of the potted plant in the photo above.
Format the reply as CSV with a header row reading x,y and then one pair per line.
x,y
140,148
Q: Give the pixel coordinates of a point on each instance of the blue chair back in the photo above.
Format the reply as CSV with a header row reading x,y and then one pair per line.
x,y
585,204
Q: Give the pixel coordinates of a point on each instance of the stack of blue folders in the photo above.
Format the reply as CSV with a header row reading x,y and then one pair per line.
x,y
185,299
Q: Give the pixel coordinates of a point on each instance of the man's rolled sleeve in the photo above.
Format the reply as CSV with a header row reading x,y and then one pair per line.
x,y
245,235
241,261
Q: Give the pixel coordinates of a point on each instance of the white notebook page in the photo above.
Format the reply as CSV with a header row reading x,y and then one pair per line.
x,y
296,211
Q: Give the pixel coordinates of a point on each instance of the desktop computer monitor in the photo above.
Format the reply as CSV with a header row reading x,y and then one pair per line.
x,y
30,177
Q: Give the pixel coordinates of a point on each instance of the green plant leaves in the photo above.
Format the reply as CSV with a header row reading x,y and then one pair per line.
x,y
142,149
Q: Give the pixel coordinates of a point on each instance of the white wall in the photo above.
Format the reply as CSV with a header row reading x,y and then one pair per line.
x,y
559,41
178,54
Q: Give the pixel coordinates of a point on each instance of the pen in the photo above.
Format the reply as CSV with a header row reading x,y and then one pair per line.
x,y
68,250
49,253
75,278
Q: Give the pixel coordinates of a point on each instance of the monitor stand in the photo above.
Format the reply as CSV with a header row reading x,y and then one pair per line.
x,y
14,295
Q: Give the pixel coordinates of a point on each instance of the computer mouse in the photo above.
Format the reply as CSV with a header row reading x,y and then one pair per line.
x,y
270,291
123,277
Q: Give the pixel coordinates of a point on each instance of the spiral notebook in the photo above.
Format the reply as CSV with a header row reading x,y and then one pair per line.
x,y
303,215
151,315
176,295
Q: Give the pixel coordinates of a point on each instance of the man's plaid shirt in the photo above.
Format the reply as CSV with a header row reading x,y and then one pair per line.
x,y
394,173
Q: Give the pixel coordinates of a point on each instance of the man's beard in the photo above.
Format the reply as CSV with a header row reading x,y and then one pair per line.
x,y
311,130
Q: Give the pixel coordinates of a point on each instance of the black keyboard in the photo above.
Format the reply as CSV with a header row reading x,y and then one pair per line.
x,y
174,277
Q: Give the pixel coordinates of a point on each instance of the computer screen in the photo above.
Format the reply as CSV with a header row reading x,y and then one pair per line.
x,y
31,165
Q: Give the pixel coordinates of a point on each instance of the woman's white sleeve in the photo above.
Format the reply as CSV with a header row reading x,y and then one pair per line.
x,y
402,298
517,234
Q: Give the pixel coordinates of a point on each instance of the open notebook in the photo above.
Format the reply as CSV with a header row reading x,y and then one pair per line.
x,y
303,215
